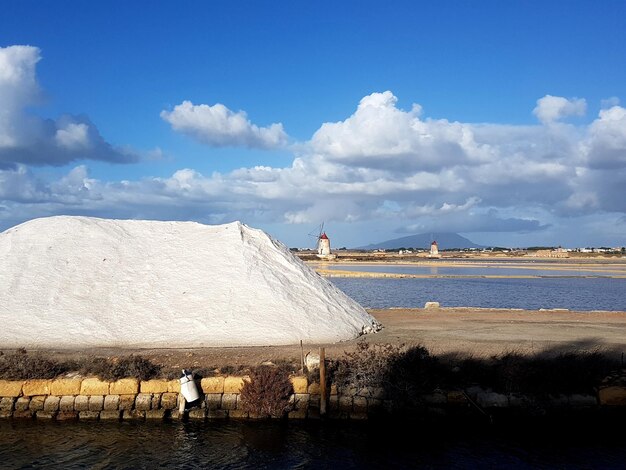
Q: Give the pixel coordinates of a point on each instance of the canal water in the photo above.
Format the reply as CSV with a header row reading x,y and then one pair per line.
x,y
291,445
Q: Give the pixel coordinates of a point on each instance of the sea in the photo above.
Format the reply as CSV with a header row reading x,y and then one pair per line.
x,y
559,444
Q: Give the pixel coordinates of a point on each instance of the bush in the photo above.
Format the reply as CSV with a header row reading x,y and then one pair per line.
x,y
267,393
131,366
21,365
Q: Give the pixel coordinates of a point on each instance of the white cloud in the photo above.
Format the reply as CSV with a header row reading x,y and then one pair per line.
x,y
554,108
218,126
28,139
380,135
499,178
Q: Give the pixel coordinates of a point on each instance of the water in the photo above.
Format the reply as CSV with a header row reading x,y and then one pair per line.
x,y
500,269
572,293
345,445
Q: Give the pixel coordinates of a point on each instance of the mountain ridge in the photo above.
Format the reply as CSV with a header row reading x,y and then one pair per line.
x,y
445,240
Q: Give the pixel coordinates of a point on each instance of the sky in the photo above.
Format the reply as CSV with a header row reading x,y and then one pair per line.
x,y
502,121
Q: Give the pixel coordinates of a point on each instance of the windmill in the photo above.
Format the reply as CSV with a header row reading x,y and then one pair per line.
x,y
322,242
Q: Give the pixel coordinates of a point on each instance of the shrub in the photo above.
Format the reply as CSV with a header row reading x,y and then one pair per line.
x,y
21,365
267,393
131,366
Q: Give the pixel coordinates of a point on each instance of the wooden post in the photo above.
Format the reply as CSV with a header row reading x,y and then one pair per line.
x,y
301,358
322,381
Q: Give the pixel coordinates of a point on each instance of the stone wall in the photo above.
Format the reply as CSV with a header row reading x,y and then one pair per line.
x,y
91,399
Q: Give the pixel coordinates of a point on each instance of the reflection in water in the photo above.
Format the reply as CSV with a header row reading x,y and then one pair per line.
x,y
231,445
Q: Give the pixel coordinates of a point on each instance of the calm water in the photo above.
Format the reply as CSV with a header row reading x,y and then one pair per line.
x,y
571,293
234,445
499,269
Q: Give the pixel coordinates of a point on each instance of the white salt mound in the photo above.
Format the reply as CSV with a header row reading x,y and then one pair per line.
x,y
81,281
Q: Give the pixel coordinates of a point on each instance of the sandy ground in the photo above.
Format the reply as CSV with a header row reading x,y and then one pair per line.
x,y
479,332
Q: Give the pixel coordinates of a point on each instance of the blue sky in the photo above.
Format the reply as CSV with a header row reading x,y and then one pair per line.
x,y
504,121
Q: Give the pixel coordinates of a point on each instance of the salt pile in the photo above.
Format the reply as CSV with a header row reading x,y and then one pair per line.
x,y
81,281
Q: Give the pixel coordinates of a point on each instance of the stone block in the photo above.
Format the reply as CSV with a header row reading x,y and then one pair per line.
x,y
173,386
314,401
156,414
6,414
357,416
313,413
31,388
217,414
156,401
212,385
238,414
457,397
66,403
94,386
175,414
582,401
431,305
345,403
333,402
213,401
492,400
558,401
374,405
169,401
359,404
436,398
297,414
197,413
154,386
51,403
612,396
96,403
233,384
314,388
36,403
143,402
110,415
301,401
133,414
10,388
67,415
81,403
333,389
88,415
23,414
60,387
111,403
127,402
229,401
6,403
124,387
22,403
42,414
300,384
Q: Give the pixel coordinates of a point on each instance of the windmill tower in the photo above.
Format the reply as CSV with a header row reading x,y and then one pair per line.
x,y
323,244
434,250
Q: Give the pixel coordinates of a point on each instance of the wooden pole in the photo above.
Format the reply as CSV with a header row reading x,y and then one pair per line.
x,y
322,381
301,358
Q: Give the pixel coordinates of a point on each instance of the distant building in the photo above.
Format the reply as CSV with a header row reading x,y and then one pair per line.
x,y
434,250
323,247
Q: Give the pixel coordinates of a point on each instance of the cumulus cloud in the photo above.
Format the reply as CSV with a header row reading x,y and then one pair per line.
x,y
29,139
218,126
380,135
554,108
383,166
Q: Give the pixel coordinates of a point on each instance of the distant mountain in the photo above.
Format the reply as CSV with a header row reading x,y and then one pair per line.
x,y
445,241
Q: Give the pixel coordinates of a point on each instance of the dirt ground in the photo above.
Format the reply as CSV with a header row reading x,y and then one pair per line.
x,y
479,332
